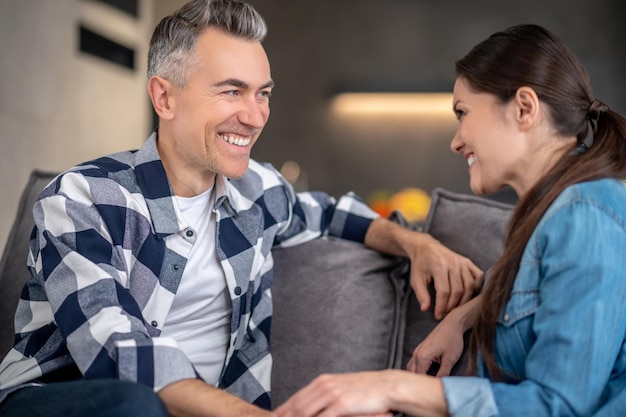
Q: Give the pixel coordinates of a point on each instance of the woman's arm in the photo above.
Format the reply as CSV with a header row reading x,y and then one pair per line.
x,y
444,344
367,393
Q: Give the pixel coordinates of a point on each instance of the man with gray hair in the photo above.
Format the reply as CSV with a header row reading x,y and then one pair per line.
x,y
151,269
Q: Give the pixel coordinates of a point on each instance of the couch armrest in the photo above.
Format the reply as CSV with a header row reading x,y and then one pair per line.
x,y
13,271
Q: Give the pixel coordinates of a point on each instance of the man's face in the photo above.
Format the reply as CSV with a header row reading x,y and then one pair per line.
x,y
220,113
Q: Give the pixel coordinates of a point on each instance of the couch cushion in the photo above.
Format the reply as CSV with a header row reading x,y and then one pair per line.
x,y
470,225
13,271
336,309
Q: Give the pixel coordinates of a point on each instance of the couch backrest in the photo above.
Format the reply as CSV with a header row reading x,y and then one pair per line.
x,y
472,226
13,271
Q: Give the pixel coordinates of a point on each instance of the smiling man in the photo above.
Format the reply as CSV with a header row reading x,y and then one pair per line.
x,y
151,269
209,124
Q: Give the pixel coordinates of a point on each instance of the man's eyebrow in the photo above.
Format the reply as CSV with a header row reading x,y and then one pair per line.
x,y
241,84
231,82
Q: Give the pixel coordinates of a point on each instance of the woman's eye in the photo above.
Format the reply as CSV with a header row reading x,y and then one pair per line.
x,y
459,114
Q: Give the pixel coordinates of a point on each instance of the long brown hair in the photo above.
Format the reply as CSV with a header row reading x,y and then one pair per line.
x,y
529,55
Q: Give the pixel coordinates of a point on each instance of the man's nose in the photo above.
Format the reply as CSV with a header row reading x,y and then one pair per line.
x,y
254,113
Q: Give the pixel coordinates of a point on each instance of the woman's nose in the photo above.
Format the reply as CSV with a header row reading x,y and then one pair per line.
x,y
456,145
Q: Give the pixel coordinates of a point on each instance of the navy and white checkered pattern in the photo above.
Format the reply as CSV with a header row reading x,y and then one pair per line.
x,y
108,252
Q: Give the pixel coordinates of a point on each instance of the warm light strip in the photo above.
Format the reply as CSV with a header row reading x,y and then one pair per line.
x,y
393,104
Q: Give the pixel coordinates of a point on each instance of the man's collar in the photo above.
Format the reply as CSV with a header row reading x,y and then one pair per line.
x,y
226,194
156,189
155,186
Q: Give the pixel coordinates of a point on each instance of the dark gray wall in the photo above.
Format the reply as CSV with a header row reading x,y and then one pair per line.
x,y
318,46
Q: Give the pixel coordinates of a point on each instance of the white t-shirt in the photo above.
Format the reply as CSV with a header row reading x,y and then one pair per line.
x,y
199,319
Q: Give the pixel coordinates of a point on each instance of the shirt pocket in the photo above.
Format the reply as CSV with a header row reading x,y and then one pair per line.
x,y
514,333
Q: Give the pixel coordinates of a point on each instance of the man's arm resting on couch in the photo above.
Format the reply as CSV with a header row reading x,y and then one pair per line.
x,y
456,278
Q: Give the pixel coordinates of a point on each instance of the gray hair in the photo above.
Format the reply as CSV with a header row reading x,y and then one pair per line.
x,y
174,39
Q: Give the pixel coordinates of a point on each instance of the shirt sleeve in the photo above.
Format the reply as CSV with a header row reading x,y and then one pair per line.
x,y
469,396
313,214
578,327
84,277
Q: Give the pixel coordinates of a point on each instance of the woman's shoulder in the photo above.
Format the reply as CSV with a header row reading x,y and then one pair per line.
x,y
607,195
606,191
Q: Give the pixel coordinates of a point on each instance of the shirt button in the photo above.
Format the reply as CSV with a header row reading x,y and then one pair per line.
x,y
154,323
506,318
189,233
176,267
237,290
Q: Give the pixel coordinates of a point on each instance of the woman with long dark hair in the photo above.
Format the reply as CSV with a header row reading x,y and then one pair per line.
x,y
549,329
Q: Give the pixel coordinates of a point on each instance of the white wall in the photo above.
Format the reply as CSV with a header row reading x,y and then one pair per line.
x,y
58,106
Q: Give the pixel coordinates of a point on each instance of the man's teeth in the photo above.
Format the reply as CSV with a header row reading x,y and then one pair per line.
x,y
471,160
236,141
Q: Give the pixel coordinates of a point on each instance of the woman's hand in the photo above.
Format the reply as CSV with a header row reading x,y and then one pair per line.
x,y
376,393
444,345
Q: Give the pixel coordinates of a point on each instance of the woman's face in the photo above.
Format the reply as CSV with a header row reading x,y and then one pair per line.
x,y
488,138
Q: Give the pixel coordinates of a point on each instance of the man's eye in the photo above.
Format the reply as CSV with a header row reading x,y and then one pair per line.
x,y
267,94
232,93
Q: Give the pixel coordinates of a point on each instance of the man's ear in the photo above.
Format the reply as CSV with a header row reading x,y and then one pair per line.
x,y
160,91
527,107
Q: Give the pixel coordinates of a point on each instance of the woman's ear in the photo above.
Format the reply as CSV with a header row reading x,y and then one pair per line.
x,y
527,107
160,91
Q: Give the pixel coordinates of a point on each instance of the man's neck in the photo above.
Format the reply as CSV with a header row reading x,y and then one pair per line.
x,y
184,182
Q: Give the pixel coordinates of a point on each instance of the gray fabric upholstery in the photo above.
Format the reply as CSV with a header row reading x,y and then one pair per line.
x,y
336,309
472,226
13,271
336,304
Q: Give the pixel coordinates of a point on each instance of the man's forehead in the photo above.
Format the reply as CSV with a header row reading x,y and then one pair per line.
x,y
228,57
217,40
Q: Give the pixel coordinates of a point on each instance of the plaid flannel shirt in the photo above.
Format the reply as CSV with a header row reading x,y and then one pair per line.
x,y
107,254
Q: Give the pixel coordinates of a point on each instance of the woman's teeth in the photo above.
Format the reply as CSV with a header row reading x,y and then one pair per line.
x,y
236,141
471,160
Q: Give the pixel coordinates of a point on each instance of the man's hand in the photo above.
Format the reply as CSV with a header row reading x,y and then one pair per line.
x,y
455,277
444,345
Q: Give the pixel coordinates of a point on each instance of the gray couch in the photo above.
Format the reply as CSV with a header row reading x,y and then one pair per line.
x,y
338,307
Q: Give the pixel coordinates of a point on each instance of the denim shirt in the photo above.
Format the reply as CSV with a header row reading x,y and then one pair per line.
x,y
560,338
